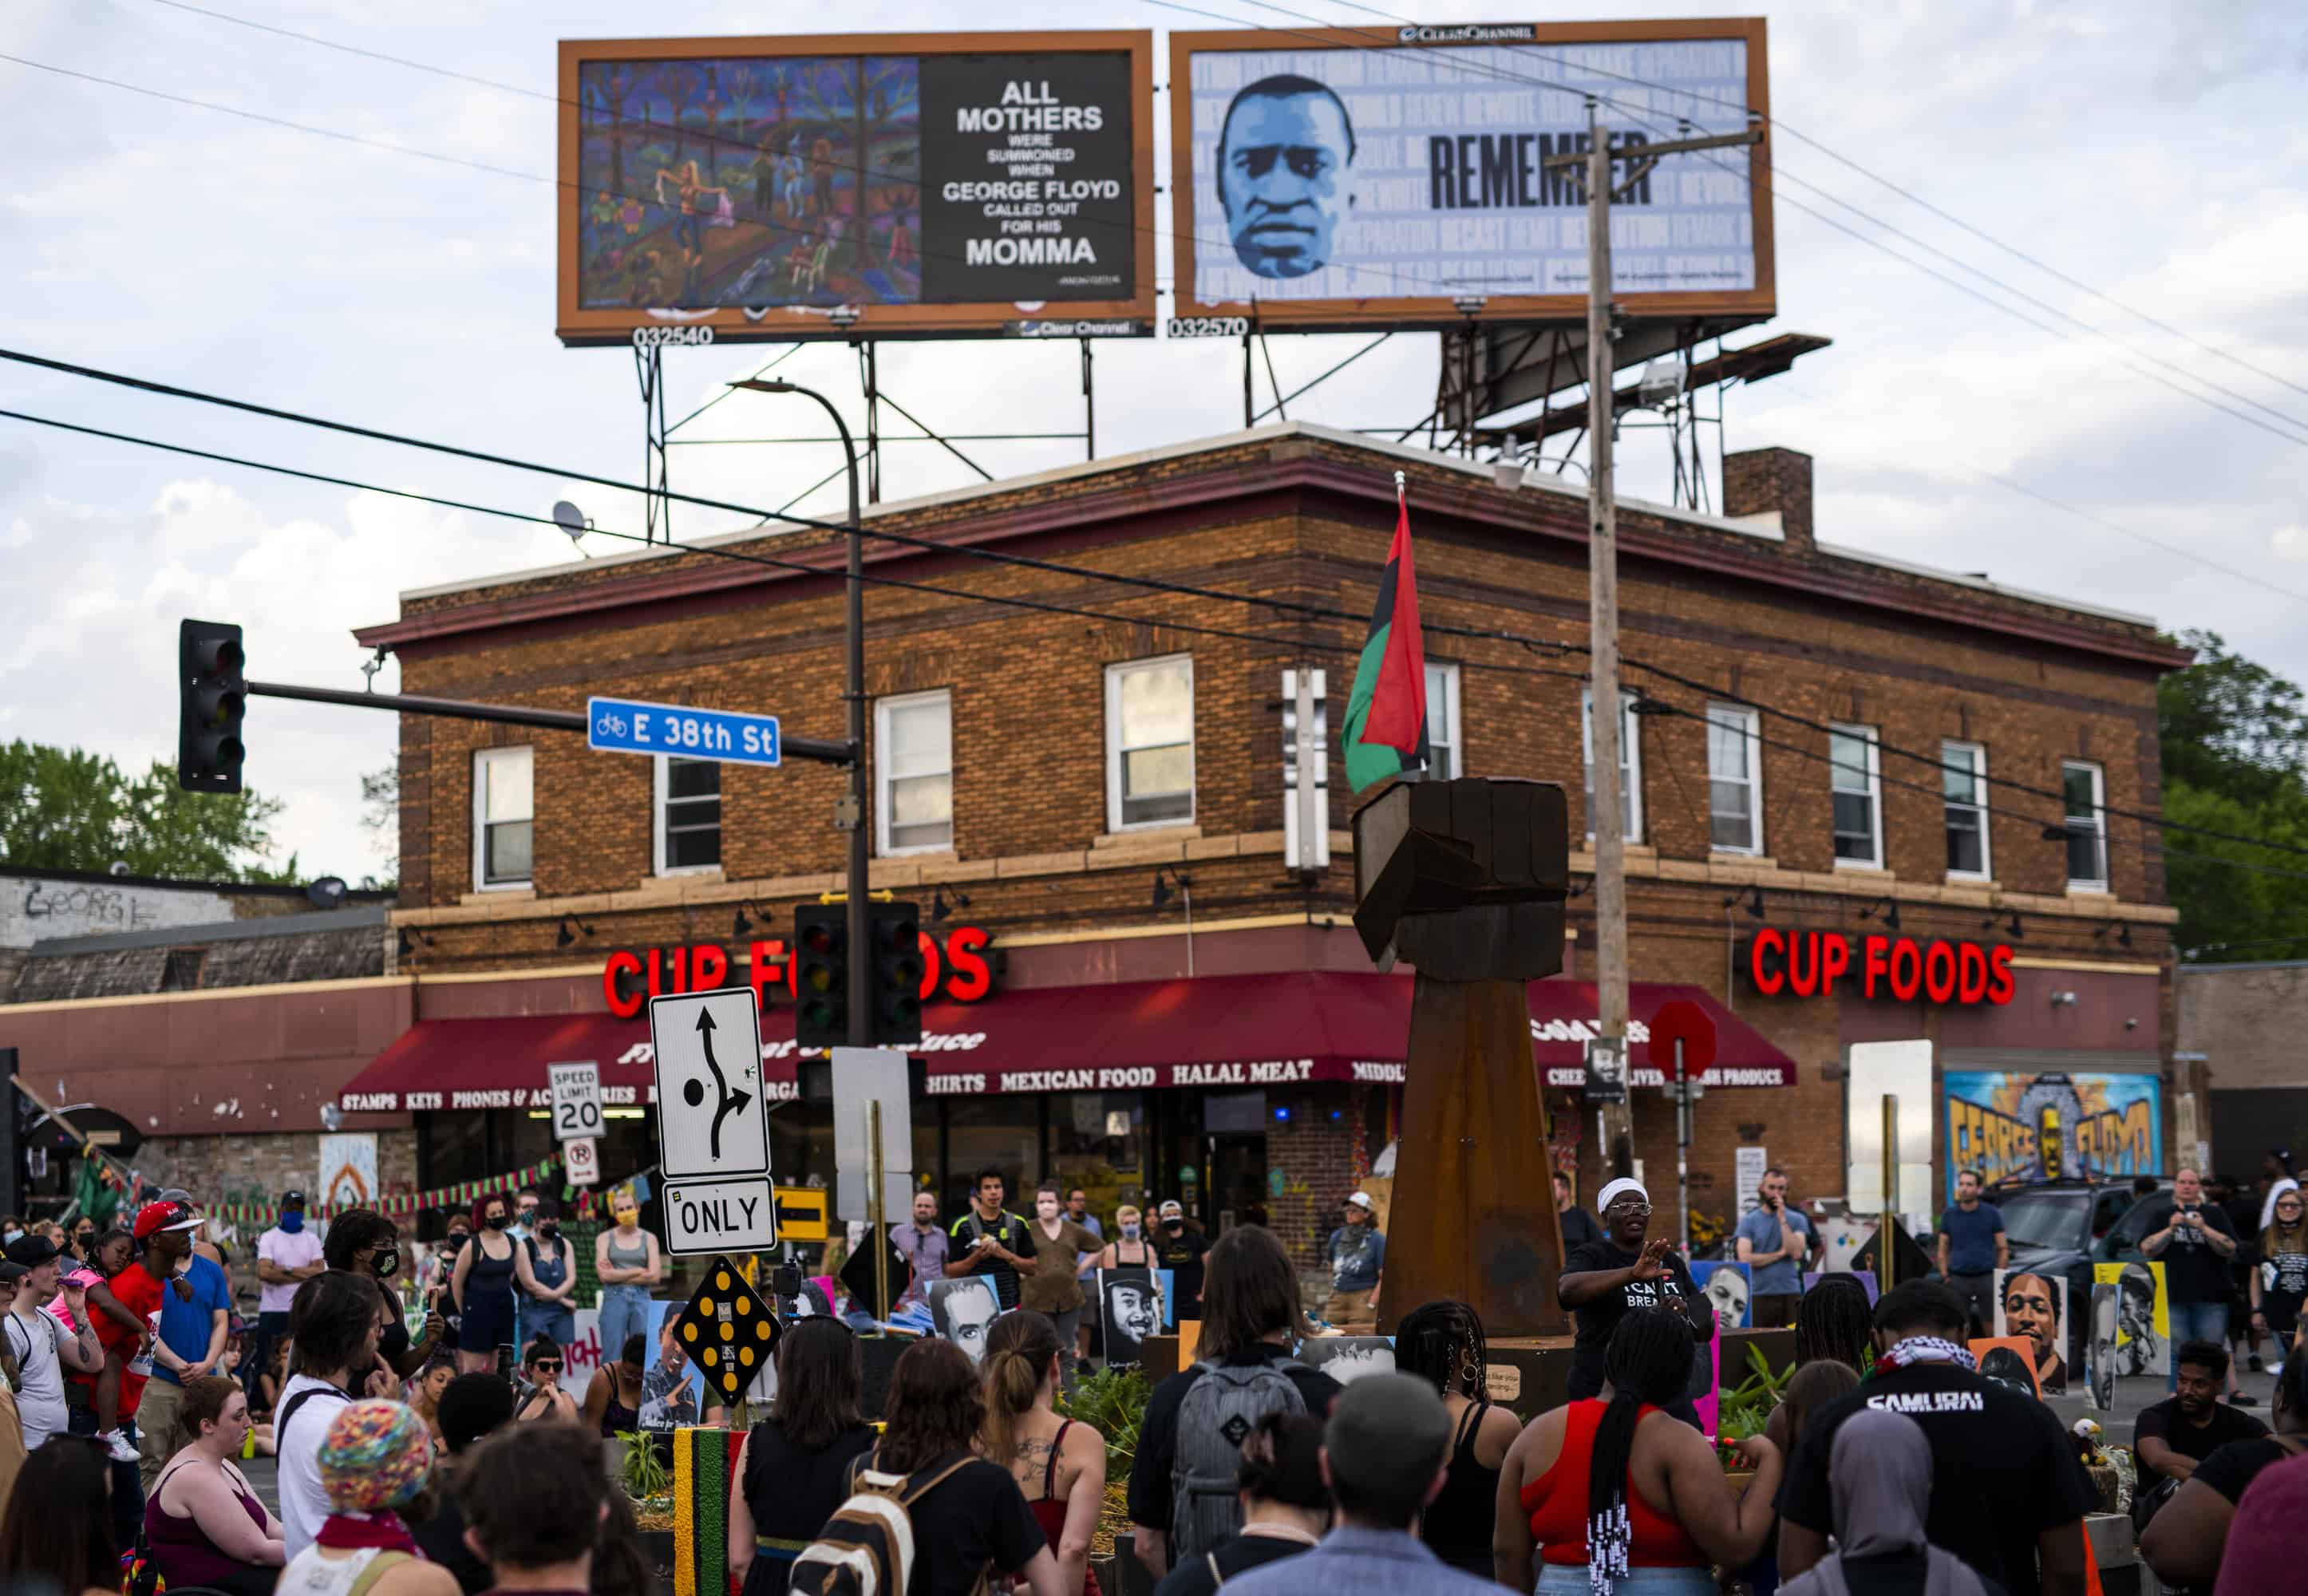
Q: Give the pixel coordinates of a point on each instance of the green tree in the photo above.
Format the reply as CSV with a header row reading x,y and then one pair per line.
x,y
2235,743
67,809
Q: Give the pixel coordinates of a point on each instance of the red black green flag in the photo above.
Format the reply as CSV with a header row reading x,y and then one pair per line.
x,y
1386,713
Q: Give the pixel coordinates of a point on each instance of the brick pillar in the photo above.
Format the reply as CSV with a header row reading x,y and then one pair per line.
x,y
1758,481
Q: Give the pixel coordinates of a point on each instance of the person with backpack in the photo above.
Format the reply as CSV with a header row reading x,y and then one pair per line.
x,y
793,1471
332,1333
545,1266
927,1515
1183,1490
1285,1506
986,1240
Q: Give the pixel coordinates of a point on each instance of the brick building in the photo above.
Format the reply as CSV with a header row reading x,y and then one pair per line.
x,y
1133,992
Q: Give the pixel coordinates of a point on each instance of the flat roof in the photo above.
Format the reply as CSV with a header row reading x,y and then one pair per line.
x,y
1386,447
270,925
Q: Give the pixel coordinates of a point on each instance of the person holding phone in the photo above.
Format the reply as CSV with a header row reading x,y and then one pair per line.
x,y
2194,1241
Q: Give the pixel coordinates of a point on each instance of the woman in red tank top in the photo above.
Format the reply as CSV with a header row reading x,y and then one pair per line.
x,y
1059,1463
1611,1494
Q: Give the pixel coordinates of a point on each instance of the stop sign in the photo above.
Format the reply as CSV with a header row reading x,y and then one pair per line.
x,y
1682,1020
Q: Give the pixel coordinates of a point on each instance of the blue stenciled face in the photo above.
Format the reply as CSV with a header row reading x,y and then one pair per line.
x,y
1282,170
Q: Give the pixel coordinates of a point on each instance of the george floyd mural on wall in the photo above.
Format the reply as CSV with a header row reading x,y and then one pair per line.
x,y
2052,1126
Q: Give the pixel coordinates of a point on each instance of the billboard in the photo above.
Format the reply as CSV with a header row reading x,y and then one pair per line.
x,y
2052,1126
934,185
1346,178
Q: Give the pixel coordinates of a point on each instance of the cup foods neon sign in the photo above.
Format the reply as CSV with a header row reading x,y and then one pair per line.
x,y
956,968
1820,963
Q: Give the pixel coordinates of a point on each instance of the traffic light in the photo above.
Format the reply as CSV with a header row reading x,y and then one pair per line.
x,y
895,931
822,974
211,698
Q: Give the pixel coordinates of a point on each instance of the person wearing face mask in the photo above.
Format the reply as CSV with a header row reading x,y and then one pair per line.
x,y
364,1242
546,1266
194,1325
286,1256
626,1262
482,1288
1180,1249
1053,1288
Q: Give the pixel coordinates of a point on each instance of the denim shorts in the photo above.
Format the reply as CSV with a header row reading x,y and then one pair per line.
x,y
1569,1579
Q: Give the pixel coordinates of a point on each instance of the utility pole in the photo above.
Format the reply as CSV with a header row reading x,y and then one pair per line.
x,y
1615,1120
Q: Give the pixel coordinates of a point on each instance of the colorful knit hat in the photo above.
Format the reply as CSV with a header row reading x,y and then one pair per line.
x,y
376,1458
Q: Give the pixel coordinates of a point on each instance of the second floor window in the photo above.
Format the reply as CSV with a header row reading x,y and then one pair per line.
x,y
1964,783
688,814
1735,780
1631,764
2086,787
913,809
1150,742
1442,723
505,810
1858,796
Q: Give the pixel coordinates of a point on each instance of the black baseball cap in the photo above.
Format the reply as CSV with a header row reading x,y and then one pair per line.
x,y
10,1272
292,1199
32,1249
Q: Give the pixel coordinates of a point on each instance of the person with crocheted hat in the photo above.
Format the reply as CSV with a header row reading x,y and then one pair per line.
x,y
376,1464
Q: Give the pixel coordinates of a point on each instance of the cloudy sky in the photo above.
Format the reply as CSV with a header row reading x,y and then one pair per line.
x,y
2152,152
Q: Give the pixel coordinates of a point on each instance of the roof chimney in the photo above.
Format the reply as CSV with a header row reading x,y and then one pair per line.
x,y
1774,483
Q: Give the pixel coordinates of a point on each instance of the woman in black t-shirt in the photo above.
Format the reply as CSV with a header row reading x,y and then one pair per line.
x,y
793,1471
974,1520
1605,1280
2279,1282
2182,1542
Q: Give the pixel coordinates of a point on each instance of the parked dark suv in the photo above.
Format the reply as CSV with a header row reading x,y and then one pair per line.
x,y
2065,1227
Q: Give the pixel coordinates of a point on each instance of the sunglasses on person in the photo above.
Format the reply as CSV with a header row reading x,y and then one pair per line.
x,y
546,1366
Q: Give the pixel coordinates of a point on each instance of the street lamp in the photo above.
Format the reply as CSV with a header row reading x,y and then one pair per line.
x,y
860,1017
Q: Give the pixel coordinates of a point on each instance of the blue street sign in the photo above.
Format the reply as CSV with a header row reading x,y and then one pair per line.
x,y
620,726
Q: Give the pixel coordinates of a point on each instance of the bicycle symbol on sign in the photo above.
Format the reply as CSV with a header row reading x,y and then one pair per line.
x,y
610,724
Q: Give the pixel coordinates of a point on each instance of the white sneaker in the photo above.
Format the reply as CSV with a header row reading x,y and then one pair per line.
x,y
122,1450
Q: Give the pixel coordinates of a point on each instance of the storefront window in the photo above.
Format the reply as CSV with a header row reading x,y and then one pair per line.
x,y
1098,1141
1003,1132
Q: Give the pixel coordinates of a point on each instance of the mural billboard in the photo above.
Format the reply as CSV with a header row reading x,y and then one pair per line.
x,y
920,185
2052,1126
1345,178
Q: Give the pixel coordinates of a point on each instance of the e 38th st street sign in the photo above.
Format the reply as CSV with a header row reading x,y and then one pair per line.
x,y
624,726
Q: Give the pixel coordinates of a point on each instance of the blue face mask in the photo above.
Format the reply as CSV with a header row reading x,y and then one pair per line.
x,y
293,1220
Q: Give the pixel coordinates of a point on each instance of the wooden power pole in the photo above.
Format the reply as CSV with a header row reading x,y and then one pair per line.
x,y
1615,1122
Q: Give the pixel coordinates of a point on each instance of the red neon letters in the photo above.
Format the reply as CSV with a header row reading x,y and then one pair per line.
x,y
631,979
1809,963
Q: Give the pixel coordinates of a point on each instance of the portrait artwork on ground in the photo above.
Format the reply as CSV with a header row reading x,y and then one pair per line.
x,y
963,1309
2140,1337
1130,1313
2036,1306
1729,1286
1347,1359
2008,1360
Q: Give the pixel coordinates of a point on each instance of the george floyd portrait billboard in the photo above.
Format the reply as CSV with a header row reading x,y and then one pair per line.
x,y
1337,178
967,185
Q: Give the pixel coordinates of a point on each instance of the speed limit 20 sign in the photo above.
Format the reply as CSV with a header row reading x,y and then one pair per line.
x,y
576,1100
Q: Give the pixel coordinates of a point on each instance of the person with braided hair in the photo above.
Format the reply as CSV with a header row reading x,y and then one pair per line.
x,y
1441,1343
1611,1493
1832,1323
1059,1463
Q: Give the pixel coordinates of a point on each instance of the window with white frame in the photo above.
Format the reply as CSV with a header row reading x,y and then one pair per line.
x,y
1854,778
1734,779
1631,764
688,814
913,808
505,812
2086,787
1442,723
1150,742
1963,783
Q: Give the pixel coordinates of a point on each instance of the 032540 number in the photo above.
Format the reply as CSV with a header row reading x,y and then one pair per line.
x,y
1208,326
646,338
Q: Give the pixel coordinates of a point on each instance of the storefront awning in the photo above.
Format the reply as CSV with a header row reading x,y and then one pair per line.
x,y
1220,1031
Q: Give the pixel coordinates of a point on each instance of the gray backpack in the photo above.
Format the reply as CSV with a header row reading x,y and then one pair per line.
x,y
1222,1407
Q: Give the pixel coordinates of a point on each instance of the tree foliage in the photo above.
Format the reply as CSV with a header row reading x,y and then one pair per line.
x,y
2234,742
67,809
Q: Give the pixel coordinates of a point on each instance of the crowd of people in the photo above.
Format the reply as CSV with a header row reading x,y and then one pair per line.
x,y
407,1466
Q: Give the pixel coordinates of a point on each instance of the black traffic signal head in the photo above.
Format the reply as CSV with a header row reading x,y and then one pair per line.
x,y
211,697
821,975
895,930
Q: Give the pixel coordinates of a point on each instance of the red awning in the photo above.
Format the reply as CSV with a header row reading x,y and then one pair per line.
x,y
1220,1031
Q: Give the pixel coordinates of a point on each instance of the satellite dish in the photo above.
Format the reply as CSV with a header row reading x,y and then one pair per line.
x,y
327,892
570,519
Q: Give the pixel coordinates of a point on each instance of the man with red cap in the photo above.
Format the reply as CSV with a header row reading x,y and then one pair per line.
x,y
163,1233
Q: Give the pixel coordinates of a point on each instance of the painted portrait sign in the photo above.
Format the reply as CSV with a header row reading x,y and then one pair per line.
x,y
963,1310
1728,1286
1130,1312
2036,1306
2052,1126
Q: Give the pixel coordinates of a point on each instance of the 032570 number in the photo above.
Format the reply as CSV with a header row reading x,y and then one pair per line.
x,y
1208,326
